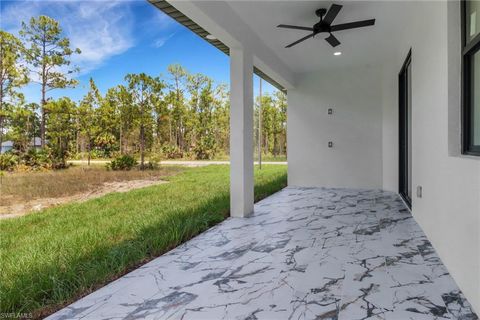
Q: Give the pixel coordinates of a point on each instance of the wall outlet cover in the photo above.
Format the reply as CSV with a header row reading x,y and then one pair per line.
x,y
419,191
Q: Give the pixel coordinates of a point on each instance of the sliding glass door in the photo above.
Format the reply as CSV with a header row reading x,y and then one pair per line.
x,y
405,130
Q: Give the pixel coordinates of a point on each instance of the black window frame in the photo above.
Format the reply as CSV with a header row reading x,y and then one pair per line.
x,y
468,50
404,148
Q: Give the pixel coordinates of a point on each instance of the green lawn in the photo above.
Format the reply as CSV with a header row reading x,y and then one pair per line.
x,y
52,258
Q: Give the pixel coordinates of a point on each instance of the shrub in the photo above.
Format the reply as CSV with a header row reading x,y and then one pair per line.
x,y
172,152
153,162
39,159
8,161
189,155
31,160
205,148
58,157
106,144
125,162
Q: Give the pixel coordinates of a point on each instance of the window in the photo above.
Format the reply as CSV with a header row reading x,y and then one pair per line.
x,y
471,76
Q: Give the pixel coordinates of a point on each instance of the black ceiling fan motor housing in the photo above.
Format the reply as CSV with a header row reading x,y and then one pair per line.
x,y
321,27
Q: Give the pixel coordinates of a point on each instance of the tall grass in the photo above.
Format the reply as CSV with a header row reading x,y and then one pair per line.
x,y
58,183
52,258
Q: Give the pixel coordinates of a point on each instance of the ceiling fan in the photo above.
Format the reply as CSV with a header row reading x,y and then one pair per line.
x,y
325,25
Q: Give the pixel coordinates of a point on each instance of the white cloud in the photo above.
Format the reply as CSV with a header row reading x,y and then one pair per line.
x,y
101,29
109,33
159,42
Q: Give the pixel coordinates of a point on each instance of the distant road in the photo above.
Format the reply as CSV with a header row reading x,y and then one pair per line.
x,y
189,163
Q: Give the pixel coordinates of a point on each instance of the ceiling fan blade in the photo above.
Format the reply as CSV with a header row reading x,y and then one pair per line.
x,y
287,26
332,40
332,13
353,25
300,40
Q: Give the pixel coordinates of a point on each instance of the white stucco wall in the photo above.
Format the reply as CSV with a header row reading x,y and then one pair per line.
x,y
364,129
354,128
449,211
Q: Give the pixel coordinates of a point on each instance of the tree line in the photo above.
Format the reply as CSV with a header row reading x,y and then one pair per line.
x,y
181,115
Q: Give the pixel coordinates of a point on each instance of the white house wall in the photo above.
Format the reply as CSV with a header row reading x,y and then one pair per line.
x,y
449,210
364,130
355,128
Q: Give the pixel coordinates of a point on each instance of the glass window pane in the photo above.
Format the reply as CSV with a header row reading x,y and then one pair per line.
x,y
409,130
475,98
472,19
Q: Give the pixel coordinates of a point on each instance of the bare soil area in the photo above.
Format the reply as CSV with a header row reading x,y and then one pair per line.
x,y
25,193
19,208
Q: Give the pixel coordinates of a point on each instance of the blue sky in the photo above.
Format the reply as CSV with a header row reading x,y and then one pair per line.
x,y
119,37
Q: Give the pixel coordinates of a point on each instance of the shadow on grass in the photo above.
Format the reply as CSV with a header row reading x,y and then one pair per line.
x,y
43,289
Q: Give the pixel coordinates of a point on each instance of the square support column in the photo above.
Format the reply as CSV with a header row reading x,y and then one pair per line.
x,y
241,133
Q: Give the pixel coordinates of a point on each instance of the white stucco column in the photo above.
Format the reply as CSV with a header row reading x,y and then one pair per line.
x,y
241,133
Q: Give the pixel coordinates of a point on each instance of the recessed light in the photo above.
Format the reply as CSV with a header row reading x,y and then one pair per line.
x,y
337,53
211,37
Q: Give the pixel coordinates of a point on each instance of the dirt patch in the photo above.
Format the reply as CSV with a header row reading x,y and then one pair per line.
x,y
17,207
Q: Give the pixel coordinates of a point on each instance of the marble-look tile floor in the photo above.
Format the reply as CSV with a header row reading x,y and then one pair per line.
x,y
306,253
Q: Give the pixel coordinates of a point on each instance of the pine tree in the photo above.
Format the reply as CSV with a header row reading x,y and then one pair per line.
x,y
145,90
48,56
61,128
12,74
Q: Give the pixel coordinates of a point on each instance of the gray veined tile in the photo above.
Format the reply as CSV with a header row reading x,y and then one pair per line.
x,y
366,292
306,253
458,306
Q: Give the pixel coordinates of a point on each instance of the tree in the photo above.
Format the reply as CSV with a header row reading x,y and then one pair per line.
x,y
190,119
160,113
267,121
280,101
86,121
61,128
206,146
22,124
108,122
145,91
221,118
127,114
195,85
178,76
49,58
12,73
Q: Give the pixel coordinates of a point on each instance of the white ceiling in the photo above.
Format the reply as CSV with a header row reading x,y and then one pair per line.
x,y
363,46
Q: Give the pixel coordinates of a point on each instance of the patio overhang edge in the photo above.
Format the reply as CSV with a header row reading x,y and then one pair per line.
x,y
170,10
